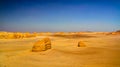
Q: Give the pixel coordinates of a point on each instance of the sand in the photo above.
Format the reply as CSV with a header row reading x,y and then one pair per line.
x,y
100,51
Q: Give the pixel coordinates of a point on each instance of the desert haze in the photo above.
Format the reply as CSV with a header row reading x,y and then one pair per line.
x,y
73,49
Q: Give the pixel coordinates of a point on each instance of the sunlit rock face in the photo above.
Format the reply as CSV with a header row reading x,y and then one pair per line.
x,y
81,44
16,35
42,45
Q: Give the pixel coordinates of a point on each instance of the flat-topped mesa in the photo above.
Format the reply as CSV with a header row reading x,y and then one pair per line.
x,y
42,45
81,44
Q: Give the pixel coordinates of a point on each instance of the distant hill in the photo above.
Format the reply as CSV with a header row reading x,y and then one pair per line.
x,y
118,31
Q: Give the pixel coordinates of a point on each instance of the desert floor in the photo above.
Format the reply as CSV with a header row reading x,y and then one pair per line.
x,y
100,51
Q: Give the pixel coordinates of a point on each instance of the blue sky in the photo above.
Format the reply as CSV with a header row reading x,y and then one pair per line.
x,y
59,15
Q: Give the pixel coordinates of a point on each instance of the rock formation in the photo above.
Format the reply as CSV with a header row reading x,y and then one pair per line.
x,y
81,44
42,45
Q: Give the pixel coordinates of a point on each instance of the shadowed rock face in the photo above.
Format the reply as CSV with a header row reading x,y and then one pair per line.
x,y
81,44
42,45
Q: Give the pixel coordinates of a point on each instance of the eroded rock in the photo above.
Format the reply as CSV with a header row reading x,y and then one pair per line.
x,y
42,45
81,44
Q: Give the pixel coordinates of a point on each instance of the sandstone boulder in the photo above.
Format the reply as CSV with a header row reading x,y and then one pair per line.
x,y
42,45
81,44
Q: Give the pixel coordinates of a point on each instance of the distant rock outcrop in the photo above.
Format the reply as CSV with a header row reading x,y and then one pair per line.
x,y
114,33
42,45
118,31
81,44
16,35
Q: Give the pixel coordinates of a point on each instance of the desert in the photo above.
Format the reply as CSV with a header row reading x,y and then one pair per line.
x,y
59,33
100,50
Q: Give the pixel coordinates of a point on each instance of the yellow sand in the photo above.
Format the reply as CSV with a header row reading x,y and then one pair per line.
x,y
100,51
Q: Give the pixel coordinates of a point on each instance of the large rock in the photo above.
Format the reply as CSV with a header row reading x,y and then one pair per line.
x,y
42,45
81,44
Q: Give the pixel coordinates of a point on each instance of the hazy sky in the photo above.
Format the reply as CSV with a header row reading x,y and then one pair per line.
x,y
59,15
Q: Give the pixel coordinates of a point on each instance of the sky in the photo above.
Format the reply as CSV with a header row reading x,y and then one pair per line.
x,y
59,15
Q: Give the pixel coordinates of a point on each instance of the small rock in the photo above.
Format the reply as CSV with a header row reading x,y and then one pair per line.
x,y
81,44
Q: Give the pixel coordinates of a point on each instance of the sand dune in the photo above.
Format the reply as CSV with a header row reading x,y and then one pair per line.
x,y
100,51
